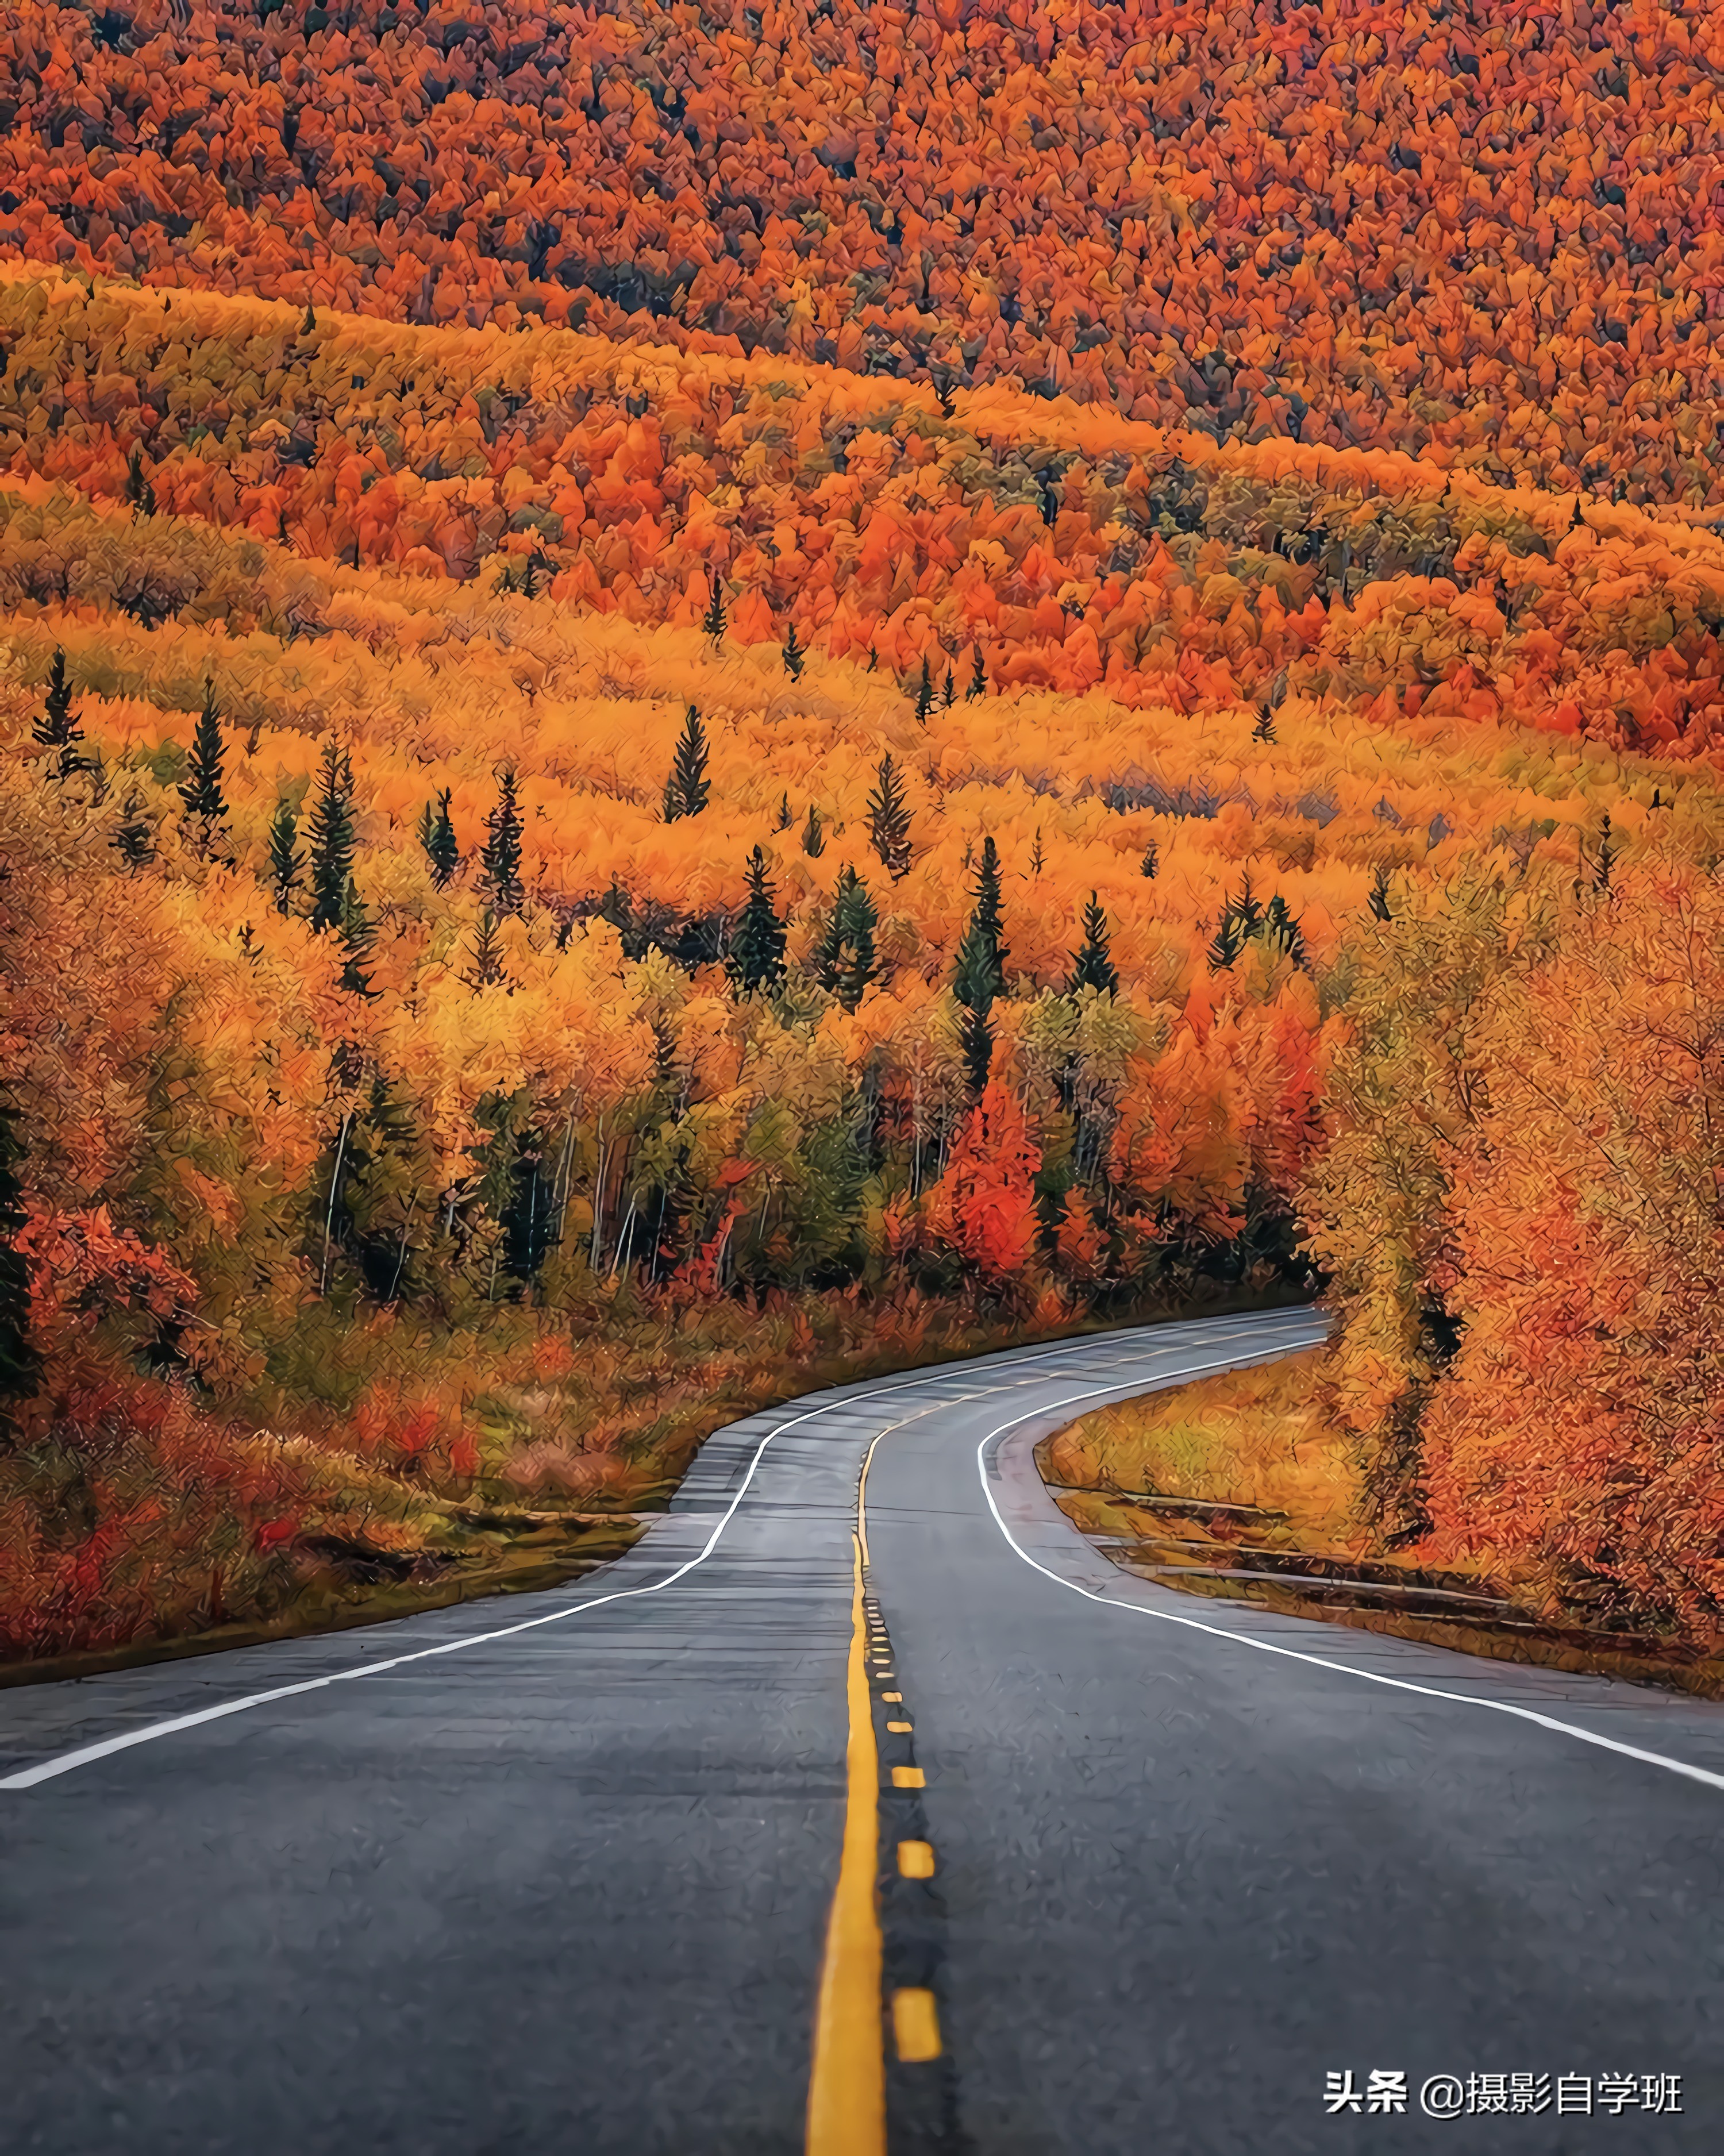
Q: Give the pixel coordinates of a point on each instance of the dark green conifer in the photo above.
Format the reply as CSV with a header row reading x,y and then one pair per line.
x,y
948,693
135,839
500,859
979,975
786,817
714,622
756,954
20,1363
687,788
1150,865
201,790
139,492
978,679
1281,930
845,962
332,839
889,820
814,837
1093,966
924,694
1379,893
487,970
56,728
436,835
286,862
795,656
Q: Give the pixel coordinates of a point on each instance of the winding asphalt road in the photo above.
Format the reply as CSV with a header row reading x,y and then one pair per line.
x,y
554,1873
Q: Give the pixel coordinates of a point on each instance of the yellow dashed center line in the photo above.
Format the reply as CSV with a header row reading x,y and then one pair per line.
x,y
915,2025
916,1859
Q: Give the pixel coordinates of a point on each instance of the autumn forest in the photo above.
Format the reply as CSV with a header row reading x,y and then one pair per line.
x,y
698,698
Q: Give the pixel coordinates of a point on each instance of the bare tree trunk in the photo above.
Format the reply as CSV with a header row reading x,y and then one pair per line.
x,y
329,1218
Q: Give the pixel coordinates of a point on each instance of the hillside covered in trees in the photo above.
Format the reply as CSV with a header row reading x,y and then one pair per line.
x,y
578,848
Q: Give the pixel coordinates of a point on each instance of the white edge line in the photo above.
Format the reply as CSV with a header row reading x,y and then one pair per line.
x,y
1702,1774
29,1777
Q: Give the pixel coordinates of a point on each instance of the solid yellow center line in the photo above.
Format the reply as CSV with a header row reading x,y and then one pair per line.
x,y
847,2087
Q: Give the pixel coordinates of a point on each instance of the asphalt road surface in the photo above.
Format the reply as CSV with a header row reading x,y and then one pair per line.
x,y
554,1873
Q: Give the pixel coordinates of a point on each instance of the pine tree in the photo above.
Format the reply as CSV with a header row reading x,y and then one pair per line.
x,y
20,1365
1379,893
139,492
56,728
487,954
1609,853
436,835
713,623
979,975
948,694
332,839
786,817
136,837
201,790
889,820
500,859
924,694
309,324
756,956
687,788
1229,942
873,659
1093,966
978,680
1247,907
795,656
814,838
845,962
358,938
286,862
1150,865
1281,929
1264,729
1037,859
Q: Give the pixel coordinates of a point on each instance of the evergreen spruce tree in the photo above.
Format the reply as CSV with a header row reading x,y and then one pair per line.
x,y
136,837
1093,966
889,820
1247,906
714,622
500,859
358,938
756,955
1037,859
332,839
1379,893
948,693
1150,865
201,790
56,728
795,656
978,680
1281,930
20,1365
487,971
785,817
436,835
814,838
1264,729
979,975
687,788
873,659
286,862
1609,853
139,492
924,694
1229,942
846,962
